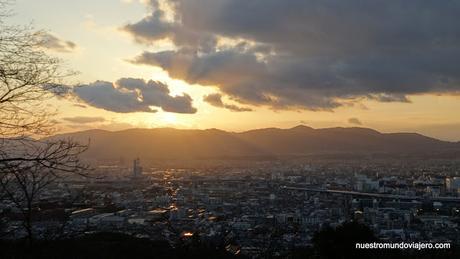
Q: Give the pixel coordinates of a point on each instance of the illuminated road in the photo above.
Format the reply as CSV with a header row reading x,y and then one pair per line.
x,y
373,195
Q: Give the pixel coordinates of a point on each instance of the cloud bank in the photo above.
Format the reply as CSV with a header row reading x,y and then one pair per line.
x,y
355,121
216,100
84,119
52,42
132,95
307,54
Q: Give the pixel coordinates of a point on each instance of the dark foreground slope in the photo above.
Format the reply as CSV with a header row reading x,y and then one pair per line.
x,y
108,245
327,243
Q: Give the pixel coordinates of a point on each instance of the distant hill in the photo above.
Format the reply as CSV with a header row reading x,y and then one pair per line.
x,y
168,143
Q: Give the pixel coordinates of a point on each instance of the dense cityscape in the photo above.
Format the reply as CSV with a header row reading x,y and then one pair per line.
x,y
269,209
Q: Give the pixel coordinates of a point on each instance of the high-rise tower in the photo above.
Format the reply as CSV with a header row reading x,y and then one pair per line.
x,y
137,169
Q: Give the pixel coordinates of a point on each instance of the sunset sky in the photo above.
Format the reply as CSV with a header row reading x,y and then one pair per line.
x,y
237,64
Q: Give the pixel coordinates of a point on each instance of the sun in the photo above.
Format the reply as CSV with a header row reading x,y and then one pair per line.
x,y
169,118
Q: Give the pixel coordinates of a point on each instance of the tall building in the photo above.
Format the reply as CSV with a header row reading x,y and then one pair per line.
x,y
137,169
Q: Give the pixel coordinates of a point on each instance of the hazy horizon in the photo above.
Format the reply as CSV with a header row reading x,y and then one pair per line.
x,y
246,130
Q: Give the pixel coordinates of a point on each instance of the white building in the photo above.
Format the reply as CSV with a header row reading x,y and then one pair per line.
x,y
453,184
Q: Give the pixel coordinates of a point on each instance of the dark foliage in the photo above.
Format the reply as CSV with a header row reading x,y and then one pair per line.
x,y
107,245
340,242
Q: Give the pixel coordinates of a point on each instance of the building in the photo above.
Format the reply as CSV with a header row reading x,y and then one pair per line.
x,y
137,169
453,184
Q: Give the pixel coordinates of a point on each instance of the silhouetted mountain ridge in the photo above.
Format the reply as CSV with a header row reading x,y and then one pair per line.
x,y
170,143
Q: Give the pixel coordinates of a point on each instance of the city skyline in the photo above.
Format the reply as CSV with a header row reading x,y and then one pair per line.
x,y
111,50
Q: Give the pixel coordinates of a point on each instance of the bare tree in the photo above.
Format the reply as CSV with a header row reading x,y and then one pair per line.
x,y
28,77
23,179
30,160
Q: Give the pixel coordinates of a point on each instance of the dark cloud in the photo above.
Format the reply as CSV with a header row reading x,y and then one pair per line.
x,y
132,95
216,100
309,54
355,121
83,119
105,95
52,42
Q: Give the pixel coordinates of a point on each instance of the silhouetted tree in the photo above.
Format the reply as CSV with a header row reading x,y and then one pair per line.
x,y
29,77
340,242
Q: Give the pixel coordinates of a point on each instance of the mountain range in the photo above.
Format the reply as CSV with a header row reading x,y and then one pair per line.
x,y
169,143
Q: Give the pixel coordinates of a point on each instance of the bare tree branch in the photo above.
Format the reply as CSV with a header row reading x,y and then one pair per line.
x,y
29,162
